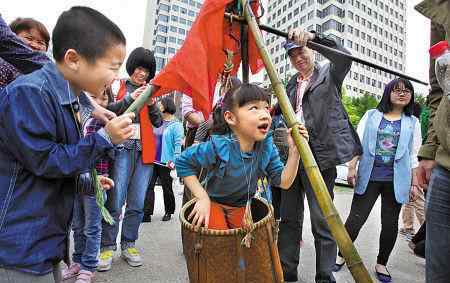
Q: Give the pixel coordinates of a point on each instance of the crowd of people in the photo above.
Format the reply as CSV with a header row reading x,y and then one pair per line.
x,y
65,117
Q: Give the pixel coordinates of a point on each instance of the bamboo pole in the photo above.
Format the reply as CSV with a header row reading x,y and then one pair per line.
x,y
314,44
140,101
354,262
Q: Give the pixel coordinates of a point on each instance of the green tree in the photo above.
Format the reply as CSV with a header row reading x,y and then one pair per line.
x,y
357,106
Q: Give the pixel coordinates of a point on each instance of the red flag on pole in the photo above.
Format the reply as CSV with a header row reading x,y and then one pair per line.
x,y
195,68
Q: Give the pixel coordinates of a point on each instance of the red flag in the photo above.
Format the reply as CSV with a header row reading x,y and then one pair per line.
x,y
195,68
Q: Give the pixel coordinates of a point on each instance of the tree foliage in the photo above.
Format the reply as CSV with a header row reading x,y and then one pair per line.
x,y
357,106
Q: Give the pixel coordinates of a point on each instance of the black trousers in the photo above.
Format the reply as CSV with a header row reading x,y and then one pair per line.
x,y
163,173
390,210
291,228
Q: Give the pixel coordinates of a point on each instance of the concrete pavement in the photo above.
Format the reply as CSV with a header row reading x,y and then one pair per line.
x,y
161,249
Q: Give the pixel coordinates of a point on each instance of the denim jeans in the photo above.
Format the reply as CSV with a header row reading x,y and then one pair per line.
x,y
86,226
437,247
131,178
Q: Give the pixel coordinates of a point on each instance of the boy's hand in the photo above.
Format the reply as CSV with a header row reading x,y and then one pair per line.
x,y
106,182
138,91
120,129
200,213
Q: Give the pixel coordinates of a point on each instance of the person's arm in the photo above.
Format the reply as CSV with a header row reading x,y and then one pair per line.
x,y
416,144
120,106
41,151
155,115
187,166
16,52
352,172
27,119
339,65
178,136
203,130
290,169
189,113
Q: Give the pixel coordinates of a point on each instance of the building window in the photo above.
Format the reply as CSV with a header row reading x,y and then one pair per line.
x,y
161,39
162,28
164,7
175,8
174,18
172,50
172,39
163,18
160,50
181,31
159,62
173,29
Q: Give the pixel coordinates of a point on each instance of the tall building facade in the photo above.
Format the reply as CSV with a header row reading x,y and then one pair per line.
x,y
374,30
166,26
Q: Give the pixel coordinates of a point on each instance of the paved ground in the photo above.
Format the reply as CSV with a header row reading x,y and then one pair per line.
x,y
161,249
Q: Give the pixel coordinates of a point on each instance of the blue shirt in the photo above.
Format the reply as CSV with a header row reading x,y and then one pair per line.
x,y
41,156
232,174
387,140
168,141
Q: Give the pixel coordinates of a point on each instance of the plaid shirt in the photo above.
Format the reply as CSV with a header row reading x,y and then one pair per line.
x,y
102,165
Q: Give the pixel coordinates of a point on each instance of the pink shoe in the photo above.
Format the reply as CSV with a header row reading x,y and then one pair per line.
x,y
85,277
71,271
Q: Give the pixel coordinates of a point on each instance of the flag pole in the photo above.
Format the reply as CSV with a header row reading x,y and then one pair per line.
x,y
352,258
315,44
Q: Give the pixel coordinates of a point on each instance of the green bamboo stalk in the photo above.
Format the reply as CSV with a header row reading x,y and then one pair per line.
x,y
354,262
140,101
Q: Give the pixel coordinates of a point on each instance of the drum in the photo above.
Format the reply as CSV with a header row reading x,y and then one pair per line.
x,y
218,256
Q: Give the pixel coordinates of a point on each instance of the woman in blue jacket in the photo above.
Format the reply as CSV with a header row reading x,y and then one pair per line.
x,y
391,139
168,147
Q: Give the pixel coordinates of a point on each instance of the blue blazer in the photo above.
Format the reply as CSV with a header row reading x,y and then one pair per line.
x,y
402,162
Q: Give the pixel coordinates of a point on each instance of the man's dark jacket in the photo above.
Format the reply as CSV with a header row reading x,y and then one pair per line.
x,y
333,139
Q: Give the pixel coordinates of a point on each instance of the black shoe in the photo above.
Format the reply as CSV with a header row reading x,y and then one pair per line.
x,y
382,277
147,218
340,262
166,217
290,278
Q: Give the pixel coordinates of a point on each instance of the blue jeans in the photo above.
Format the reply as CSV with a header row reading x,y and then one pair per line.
x,y
131,178
437,246
87,231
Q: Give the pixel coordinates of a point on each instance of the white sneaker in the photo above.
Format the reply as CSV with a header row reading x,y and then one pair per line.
x,y
132,257
105,260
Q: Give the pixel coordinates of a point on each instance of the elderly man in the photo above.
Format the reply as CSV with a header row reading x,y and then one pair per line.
x,y
315,94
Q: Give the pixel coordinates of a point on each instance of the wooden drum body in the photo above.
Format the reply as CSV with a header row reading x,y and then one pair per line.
x,y
217,256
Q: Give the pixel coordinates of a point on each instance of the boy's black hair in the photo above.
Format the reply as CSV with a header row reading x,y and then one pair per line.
x,y
238,95
169,105
26,24
385,105
87,31
141,57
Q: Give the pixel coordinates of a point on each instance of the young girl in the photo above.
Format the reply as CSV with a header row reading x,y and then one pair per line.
x,y
391,139
239,152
